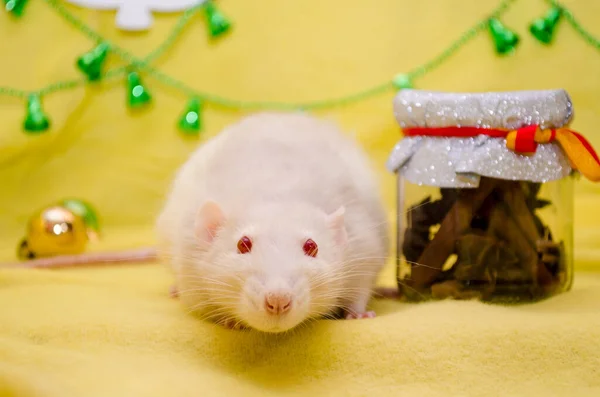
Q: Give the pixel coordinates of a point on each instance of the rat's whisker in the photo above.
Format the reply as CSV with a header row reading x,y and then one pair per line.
x,y
206,280
416,264
412,289
417,206
334,278
219,311
204,291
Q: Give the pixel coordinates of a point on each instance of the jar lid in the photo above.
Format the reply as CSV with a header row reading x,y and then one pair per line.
x,y
508,110
460,161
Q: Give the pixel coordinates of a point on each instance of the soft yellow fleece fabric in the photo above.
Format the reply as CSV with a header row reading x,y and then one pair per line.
x,y
114,331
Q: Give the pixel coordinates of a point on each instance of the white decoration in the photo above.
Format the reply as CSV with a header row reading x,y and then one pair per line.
x,y
136,15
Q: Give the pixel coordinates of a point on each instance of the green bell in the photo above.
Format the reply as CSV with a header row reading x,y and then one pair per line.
x,y
137,94
15,6
217,22
91,62
402,81
190,122
543,28
504,39
36,120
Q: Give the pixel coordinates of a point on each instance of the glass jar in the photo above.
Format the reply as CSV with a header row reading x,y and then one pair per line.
x,y
485,202
504,241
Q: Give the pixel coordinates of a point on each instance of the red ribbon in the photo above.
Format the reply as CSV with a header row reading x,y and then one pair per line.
x,y
525,140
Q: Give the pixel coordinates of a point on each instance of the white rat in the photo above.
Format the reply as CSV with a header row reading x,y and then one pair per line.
x,y
276,220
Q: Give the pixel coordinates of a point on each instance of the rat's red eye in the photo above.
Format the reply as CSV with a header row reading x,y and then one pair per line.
x,y
310,248
244,245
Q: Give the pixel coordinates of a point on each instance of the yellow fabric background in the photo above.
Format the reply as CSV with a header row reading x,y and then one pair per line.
x,y
114,332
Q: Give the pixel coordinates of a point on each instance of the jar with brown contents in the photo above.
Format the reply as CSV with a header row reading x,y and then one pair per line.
x,y
485,194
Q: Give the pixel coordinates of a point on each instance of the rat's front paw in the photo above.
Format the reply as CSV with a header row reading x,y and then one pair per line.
x,y
356,316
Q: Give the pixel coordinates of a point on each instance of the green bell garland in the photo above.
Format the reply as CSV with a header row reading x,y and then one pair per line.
x,y
92,61
190,122
402,81
217,22
504,39
137,94
543,28
15,6
36,120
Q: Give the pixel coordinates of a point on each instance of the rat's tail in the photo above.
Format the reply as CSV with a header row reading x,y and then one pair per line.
x,y
89,259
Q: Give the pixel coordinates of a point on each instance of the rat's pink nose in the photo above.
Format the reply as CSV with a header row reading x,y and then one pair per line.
x,y
278,302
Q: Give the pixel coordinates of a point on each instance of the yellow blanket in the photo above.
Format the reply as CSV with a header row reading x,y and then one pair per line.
x,y
115,332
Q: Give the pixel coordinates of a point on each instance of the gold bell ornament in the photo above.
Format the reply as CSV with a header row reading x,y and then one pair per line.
x,y
60,229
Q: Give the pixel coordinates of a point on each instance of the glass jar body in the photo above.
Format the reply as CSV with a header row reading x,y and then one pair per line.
x,y
504,241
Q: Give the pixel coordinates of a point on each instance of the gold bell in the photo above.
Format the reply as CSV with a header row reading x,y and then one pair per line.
x,y
54,231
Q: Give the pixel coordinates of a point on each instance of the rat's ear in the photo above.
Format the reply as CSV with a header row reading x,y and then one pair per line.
x,y
209,219
335,221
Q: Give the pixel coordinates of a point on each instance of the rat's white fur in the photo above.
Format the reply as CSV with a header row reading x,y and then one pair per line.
x,y
278,179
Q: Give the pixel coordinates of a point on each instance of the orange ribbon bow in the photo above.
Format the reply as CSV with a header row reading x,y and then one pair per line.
x,y
525,141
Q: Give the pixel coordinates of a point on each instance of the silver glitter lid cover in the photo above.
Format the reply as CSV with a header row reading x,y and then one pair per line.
x,y
459,162
510,110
